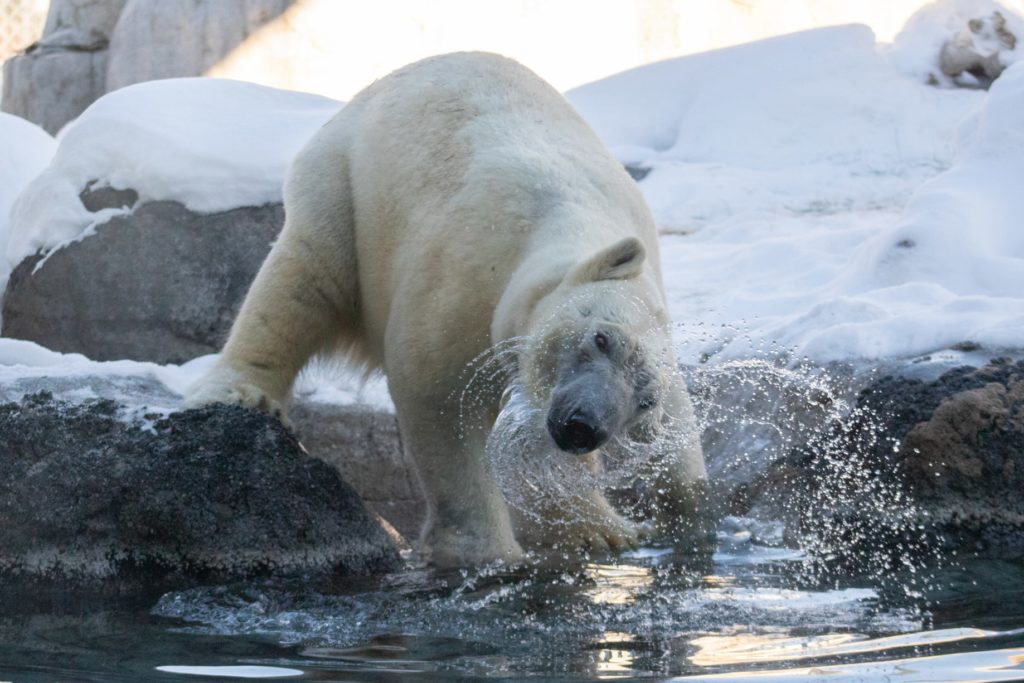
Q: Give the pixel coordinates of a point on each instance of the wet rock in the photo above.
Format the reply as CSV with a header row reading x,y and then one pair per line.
x,y
94,499
932,466
360,441
160,284
961,452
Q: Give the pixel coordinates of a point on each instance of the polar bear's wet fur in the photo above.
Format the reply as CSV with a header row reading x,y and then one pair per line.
x,y
451,206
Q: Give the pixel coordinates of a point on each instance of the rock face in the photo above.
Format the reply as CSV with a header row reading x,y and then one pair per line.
x,y
92,499
204,33
160,284
63,73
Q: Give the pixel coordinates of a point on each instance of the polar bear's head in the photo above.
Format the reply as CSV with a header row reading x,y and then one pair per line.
x,y
598,354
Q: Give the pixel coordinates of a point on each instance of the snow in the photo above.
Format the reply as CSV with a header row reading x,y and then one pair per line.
x,y
210,144
816,197
27,150
26,367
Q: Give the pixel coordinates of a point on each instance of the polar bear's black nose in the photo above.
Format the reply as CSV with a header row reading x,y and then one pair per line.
x,y
578,434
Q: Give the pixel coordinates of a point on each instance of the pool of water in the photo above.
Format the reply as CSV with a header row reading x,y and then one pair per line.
x,y
750,612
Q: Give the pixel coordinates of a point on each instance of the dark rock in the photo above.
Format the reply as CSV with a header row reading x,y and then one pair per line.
x,y
360,441
98,198
637,173
160,284
932,467
91,499
961,453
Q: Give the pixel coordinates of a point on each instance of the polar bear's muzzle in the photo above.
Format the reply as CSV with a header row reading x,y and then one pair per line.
x,y
578,432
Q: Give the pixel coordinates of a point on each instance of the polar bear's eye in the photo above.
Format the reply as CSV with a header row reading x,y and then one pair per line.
x,y
647,403
601,341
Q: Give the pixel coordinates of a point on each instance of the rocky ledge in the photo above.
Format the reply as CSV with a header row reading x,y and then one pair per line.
x,y
92,497
932,467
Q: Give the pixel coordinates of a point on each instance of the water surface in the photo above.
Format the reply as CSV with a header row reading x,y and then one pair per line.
x,y
750,612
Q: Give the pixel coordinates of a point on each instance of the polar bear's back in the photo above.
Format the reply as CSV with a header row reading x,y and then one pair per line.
x,y
457,164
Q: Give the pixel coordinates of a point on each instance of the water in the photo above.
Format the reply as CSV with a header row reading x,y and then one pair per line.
x,y
750,611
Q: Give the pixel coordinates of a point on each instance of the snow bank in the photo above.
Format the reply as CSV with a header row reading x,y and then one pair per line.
x,y
210,144
27,149
951,270
780,175
814,121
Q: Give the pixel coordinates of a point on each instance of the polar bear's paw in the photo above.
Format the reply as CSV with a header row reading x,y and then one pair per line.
x,y
225,386
611,534
594,527
458,549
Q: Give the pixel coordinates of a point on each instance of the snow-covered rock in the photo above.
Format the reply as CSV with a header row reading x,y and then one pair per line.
x,y
212,145
947,37
180,181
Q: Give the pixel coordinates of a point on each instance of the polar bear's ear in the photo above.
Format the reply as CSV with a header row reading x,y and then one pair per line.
x,y
621,261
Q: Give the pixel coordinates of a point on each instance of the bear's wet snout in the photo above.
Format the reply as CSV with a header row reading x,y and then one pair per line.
x,y
578,434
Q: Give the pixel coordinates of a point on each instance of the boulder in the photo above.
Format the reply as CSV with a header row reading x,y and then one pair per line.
x,y
161,283
961,452
920,467
92,498
360,441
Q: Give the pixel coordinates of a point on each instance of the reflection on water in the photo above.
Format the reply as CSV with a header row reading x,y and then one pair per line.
x,y
750,612
747,648
232,671
994,665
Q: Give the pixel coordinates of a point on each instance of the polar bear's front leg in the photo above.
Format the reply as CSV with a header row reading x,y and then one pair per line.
x,y
468,521
681,507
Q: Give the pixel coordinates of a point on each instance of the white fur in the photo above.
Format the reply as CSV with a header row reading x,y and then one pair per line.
x,y
450,206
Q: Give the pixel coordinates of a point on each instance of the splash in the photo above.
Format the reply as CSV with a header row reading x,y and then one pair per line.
x,y
790,442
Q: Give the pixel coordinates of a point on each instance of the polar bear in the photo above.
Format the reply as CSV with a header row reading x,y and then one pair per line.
x,y
456,205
